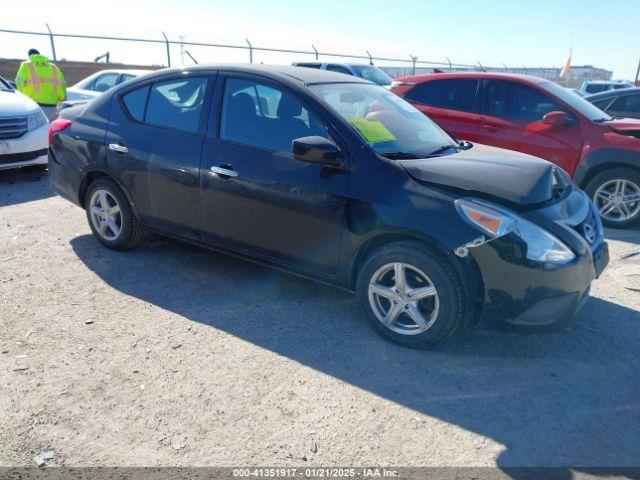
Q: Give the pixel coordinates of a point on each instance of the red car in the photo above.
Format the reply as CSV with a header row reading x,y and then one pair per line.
x,y
544,119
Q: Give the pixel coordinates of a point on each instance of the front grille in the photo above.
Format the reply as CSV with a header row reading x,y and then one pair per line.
x,y
22,157
589,229
13,127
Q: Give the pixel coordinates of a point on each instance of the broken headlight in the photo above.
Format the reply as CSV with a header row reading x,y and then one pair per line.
x,y
495,221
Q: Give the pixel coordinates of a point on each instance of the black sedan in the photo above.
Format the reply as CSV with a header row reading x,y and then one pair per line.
x,y
338,179
618,103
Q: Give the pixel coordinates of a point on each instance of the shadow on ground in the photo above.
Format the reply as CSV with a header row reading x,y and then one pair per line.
x,y
569,398
22,185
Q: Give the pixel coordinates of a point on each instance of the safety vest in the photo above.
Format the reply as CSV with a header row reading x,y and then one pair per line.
x,y
41,80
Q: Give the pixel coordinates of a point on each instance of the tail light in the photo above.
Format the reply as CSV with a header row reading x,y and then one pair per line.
x,y
57,125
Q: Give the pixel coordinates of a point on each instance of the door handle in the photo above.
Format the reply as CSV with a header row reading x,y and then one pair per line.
x,y
490,127
224,171
118,148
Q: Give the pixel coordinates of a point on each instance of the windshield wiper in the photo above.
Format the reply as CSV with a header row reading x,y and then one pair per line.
x,y
442,149
402,155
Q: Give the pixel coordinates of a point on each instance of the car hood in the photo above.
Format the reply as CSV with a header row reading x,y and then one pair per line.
x,y
516,178
624,126
15,103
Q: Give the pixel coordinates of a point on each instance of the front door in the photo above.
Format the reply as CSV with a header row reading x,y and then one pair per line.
x,y
258,198
512,116
155,142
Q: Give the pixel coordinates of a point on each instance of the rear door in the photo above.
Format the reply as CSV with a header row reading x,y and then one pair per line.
x,y
511,118
155,142
451,103
269,204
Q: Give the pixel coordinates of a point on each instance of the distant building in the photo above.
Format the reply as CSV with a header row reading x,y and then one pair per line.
x,y
577,75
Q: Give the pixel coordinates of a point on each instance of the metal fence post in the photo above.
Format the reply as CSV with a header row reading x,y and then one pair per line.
x,y
315,50
449,62
250,50
166,41
481,67
370,57
506,69
413,64
53,45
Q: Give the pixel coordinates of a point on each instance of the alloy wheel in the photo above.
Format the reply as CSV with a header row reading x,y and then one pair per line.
x,y
618,200
105,215
403,298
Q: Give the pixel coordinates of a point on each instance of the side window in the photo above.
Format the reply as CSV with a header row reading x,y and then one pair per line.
x,y
627,103
417,93
602,104
125,76
454,94
339,69
518,102
265,117
135,102
104,82
596,88
177,103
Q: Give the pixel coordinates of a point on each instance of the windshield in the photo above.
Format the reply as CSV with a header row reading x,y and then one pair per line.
x,y
391,126
576,102
373,74
4,85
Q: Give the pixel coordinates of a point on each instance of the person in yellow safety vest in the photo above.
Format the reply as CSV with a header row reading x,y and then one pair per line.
x,y
42,81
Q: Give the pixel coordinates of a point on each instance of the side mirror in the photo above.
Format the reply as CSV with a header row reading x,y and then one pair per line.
x,y
316,149
558,119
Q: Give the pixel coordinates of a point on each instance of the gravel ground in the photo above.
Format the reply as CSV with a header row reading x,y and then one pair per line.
x,y
171,355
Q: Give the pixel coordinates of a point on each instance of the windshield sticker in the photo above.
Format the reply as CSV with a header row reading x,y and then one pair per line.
x,y
373,131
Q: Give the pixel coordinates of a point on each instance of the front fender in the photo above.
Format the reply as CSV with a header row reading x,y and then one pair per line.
x,y
601,159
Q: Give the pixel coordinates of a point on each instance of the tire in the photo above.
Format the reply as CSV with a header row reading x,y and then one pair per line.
x,y
606,183
442,313
130,232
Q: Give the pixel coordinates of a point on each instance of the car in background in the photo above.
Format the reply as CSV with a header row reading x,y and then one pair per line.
x,y
618,103
100,82
338,179
589,87
368,72
23,130
539,117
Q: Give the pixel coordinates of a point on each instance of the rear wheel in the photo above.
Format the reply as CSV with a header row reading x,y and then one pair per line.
x,y
111,217
410,295
616,193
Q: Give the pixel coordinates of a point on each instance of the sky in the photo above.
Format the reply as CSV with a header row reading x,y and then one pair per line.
x,y
537,33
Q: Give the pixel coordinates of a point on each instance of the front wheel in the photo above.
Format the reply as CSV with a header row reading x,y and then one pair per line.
x,y
410,295
616,193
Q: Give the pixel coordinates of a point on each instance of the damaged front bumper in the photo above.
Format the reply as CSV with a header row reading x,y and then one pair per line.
x,y
524,295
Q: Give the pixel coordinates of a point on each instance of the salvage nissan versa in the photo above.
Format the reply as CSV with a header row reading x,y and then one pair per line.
x,y
338,179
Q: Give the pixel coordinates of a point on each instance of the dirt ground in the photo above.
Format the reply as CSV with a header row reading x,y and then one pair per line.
x,y
170,355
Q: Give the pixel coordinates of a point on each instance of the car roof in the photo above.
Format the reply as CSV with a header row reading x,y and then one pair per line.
x,y
295,64
478,75
613,93
604,82
284,73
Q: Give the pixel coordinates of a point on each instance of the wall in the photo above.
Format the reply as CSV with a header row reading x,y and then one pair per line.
x,y
73,71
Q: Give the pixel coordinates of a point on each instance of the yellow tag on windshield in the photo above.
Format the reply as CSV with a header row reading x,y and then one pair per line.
x,y
373,131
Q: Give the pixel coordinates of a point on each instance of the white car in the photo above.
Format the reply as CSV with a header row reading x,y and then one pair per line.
x,y
24,130
100,82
